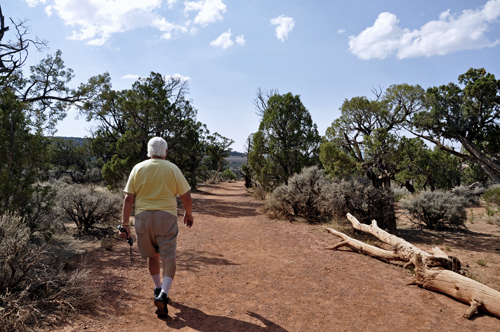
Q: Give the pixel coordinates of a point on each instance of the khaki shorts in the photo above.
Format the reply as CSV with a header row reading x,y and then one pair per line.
x,y
156,232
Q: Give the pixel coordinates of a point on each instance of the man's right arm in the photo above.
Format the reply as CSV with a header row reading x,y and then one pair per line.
x,y
128,204
187,203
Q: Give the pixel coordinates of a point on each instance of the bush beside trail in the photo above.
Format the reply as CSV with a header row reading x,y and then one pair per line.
x,y
365,202
39,287
437,210
310,195
307,195
86,206
492,195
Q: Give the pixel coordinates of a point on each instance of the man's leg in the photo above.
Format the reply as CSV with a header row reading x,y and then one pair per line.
x,y
146,243
166,237
169,267
154,270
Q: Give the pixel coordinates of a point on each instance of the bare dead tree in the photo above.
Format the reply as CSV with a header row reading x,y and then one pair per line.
x,y
14,53
46,87
378,91
262,98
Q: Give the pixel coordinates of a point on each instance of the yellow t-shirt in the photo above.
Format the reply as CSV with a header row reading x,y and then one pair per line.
x,y
155,184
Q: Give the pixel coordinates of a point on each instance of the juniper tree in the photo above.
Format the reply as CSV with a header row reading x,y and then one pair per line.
x,y
287,141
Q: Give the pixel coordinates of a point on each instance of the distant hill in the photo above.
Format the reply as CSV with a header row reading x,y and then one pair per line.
x,y
78,140
235,158
237,154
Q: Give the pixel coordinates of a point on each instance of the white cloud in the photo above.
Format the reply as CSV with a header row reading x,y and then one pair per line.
x,y
166,35
209,11
48,10
33,3
95,21
178,76
241,40
450,33
284,26
170,3
130,77
224,40
340,31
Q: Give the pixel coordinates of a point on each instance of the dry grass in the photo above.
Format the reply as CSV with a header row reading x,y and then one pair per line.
x,y
41,285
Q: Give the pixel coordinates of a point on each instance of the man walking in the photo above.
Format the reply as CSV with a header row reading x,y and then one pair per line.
x,y
153,185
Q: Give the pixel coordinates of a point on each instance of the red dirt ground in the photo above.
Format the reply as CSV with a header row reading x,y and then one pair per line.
x,y
240,271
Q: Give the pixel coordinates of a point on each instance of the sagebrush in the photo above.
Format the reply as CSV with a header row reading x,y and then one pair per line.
x,y
86,206
492,195
437,210
307,195
468,196
364,201
38,287
312,196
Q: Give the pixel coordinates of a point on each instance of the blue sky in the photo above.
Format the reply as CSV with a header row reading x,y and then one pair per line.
x,y
324,51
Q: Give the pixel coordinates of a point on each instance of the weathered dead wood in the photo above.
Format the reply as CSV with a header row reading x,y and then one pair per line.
x,y
404,250
461,288
362,247
479,296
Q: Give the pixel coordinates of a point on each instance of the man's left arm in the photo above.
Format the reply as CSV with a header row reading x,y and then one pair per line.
x,y
187,203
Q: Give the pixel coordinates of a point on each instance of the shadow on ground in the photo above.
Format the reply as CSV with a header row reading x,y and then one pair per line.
x,y
462,238
221,209
200,321
113,298
193,260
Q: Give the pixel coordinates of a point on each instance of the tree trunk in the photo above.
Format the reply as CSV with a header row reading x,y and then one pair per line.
x,y
218,170
409,186
461,288
404,250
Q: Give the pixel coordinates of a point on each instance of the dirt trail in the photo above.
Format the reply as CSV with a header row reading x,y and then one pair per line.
x,y
239,271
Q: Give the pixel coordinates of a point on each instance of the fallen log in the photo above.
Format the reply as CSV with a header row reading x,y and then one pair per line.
x,y
363,247
461,288
401,249
439,279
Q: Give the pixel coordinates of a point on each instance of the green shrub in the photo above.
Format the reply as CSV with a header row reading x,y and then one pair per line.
x,y
400,193
307,195
490,212
247,175
227,175
312,196
470,199
481,262
87,207
492,195
360,198
38,287
437,210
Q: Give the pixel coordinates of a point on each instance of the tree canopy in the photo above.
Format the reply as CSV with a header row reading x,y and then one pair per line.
x,y
31,103
364,139
154,106
468,115
287,140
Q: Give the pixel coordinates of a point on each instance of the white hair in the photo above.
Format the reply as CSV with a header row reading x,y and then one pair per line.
x,y
157,147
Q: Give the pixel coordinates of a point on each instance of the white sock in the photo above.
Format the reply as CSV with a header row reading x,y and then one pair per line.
x,y
157,280
166,284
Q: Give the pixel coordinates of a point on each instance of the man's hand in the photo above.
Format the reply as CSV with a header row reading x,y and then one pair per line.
x,y
187,202
188,220
123,234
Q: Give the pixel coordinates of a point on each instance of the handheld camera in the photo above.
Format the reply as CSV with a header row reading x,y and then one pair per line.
x,y
122,230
